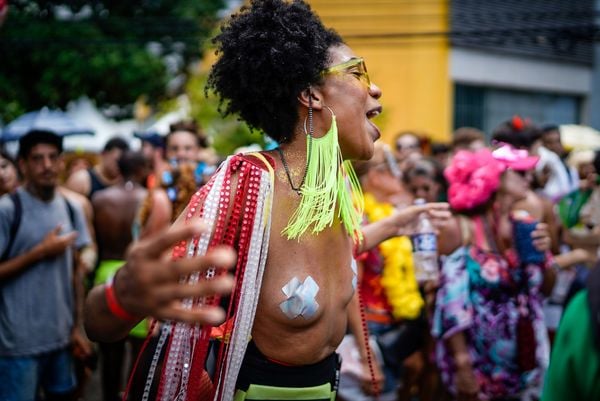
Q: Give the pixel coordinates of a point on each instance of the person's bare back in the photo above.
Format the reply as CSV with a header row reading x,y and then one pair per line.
x,y
115,210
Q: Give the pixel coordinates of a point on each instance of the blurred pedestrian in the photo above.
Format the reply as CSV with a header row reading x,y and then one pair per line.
x,y
521,134
574,372
102,175
562,179
389,294
115,213
178,182
468,138
153,149
409,146
9,174
488,320
425,180
40,310
441,153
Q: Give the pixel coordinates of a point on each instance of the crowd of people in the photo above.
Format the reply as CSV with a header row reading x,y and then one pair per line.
x,y
291,273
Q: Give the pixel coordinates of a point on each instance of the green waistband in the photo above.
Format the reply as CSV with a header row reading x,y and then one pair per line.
x,y
106,269
260,392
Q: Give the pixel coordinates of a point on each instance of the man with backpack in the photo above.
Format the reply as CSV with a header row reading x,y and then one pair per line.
x,y
40,297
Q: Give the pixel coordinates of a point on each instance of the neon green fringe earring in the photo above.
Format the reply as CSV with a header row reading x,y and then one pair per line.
x,y
329,180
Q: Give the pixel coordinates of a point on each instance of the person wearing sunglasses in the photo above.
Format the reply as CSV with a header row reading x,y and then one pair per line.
x,y
292,215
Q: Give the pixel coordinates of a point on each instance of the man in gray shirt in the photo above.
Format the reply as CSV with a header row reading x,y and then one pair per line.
x,y
40,297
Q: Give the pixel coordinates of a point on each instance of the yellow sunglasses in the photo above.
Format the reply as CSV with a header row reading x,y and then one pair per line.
x,y
354,66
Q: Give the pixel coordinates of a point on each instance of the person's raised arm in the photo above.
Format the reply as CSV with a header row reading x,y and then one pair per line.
x,y
149,285
400,223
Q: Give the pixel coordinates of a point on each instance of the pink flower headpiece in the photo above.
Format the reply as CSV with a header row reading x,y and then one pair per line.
x,y
473,177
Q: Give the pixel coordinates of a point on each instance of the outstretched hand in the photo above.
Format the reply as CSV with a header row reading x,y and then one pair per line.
x,y
402,222
150,284
405,219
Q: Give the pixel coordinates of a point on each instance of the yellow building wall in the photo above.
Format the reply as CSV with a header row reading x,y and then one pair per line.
x,y
407,55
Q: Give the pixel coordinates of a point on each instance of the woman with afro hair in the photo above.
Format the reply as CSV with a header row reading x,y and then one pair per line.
x,y
292,216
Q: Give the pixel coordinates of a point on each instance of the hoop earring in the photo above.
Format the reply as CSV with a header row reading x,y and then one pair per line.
x,y
328,181
311,129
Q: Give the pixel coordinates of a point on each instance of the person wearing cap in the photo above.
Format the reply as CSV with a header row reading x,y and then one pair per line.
x,y
153,149
491,340
521,133
40,235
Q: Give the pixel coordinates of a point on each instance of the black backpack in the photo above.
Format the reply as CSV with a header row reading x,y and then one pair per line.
x,y
14,227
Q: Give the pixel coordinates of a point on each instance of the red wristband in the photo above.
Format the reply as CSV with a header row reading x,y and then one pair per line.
x,y
113,304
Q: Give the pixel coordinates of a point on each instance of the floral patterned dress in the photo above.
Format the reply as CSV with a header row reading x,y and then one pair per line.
x,y
484,294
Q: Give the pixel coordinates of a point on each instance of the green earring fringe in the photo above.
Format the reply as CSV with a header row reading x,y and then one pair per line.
x,y
329,180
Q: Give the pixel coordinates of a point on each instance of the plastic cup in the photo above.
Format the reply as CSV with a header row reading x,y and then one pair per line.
x,y
524,243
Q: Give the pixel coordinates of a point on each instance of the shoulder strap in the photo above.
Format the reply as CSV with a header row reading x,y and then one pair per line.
x,y
71,212
14,226
263,159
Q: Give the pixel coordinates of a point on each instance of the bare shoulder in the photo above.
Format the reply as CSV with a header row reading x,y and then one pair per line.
x,y
76,198
451,236
160,214
79,182
533,204
160,198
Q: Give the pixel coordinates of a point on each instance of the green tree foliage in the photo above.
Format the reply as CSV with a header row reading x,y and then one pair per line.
x,y
226,133
113,51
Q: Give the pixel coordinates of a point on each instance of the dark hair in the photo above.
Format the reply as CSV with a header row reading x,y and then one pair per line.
x,y
429,168
438,148
35,137
549,128
516,132
5,155
425,167
153,138
597,161
188,126
116,142
463,137
269,52
130,163
422,140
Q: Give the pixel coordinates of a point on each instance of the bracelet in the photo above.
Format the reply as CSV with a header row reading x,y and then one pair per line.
x,y
113,304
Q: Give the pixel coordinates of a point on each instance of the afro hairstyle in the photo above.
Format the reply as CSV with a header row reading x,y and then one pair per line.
x,y
269,52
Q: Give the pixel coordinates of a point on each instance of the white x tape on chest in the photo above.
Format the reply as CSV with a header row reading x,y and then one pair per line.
x,y
301,298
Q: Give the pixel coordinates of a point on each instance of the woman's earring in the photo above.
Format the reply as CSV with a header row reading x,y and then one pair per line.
x,y
311,128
